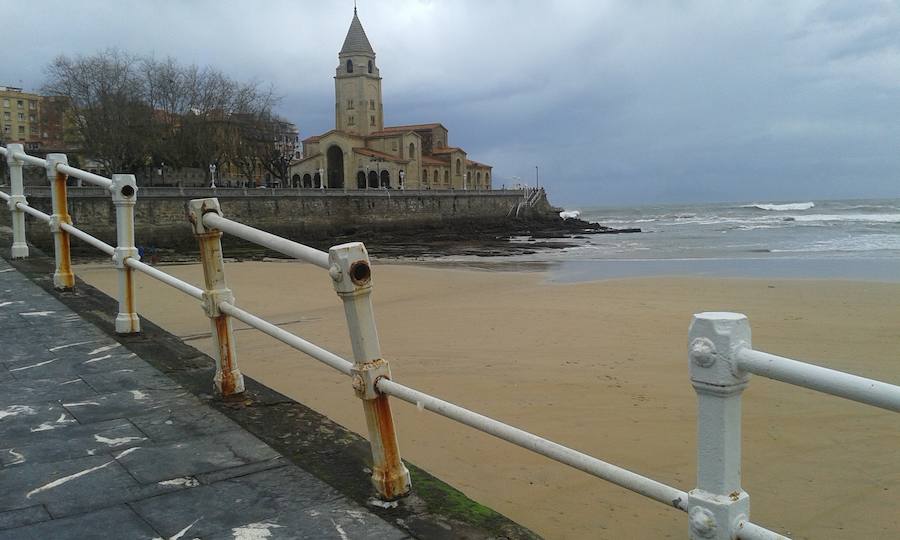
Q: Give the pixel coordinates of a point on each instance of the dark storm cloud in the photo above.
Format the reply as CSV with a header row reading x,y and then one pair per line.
x,y
629,101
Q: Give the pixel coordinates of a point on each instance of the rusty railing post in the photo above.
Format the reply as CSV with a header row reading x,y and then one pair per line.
x,y
124,193
63,278
352,275
17,195
228,379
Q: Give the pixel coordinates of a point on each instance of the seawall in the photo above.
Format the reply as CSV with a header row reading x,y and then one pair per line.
x,y
301,214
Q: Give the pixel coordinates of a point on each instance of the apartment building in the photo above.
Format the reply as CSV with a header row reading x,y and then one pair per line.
x,y
20,117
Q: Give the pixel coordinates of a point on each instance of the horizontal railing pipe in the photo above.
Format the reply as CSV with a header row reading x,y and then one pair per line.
x,y
159,275
34,212
750,531
31,160
622,477
88,239
4,151
92,178
4,196
326,357
830,381
275,243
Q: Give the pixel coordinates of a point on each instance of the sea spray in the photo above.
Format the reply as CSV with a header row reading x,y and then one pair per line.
x,y
781,207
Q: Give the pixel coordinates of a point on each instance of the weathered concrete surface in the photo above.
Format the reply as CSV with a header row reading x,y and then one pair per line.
x,y
152,393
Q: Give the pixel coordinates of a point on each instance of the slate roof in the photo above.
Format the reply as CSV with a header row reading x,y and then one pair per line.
x,y
356,40
471,163
375,153
447,150
410,127
428,160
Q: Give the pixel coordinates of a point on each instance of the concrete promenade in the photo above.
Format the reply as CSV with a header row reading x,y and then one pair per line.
x,y
97,443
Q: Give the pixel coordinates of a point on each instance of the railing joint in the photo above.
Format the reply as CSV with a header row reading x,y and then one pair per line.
x,y
365,378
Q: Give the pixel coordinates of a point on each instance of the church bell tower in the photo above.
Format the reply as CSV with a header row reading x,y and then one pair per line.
x,y
357,85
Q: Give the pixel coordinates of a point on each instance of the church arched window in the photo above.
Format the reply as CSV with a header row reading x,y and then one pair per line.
x,y
458,169
446,177
370,66
349,66
412,151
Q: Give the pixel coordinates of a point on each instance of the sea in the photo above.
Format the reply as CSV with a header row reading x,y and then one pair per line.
x,y
831,239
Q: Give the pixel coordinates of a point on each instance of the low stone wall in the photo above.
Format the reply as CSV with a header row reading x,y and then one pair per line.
x,y
299,214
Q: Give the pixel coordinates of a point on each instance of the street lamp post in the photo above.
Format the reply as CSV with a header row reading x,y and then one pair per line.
x,y
322,179
212,175
402,176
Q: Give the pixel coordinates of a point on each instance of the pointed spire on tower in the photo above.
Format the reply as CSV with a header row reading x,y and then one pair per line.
x,y
356,40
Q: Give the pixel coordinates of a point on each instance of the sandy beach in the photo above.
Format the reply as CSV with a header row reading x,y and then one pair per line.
x,y
601,367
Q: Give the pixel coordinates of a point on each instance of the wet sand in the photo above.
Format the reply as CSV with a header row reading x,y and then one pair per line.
x,y
600,367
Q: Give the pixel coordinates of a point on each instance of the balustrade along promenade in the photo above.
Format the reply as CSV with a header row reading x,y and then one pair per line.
x,y
720,355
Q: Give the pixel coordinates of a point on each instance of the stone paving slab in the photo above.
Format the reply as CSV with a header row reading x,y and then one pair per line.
x,y
132,378
196,456
15,391
115,522
19,421
21,517
216,511
77,440
96,443
169,425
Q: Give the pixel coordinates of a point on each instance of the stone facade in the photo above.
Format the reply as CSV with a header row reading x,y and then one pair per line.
x,y
361,153
20,118
298,214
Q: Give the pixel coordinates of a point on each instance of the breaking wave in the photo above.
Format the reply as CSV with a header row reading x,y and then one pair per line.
x,y
781,207
570,214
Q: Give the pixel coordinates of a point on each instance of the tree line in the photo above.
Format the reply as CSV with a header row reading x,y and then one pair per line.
x,y
132,114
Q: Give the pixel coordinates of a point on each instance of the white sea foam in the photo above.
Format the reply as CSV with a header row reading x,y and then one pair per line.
x,y
781,207
570,214
865,218
869,242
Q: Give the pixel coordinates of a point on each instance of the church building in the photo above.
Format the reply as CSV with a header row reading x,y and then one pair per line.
x,y
362,153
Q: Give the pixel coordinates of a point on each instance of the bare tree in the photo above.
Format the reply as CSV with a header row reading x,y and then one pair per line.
x,y
268,144
134,113
109,110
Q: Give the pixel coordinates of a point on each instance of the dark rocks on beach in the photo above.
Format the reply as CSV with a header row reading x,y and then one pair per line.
x,y
479,239
452,238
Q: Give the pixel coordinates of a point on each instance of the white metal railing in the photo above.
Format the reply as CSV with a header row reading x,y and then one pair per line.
x,y
721,358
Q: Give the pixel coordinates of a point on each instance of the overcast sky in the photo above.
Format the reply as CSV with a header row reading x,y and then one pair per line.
x,y
618,102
